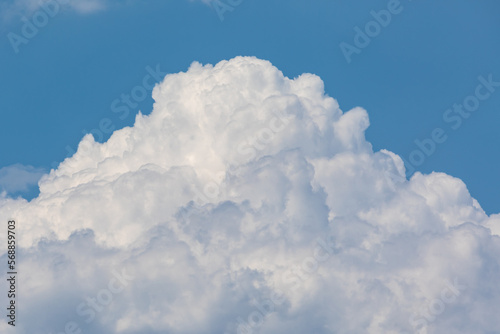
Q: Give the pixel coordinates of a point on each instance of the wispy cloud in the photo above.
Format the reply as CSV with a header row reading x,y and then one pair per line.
x,y
12,10
19,178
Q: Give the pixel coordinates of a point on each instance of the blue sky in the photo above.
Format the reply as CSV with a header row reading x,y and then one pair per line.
x,y
63,82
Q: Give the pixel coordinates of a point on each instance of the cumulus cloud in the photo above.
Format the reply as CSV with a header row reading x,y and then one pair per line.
x,y
249,202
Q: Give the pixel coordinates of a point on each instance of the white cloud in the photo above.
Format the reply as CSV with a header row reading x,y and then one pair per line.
x,y
244,192
19,178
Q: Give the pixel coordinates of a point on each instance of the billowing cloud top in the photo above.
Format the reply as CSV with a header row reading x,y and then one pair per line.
x,y
248,202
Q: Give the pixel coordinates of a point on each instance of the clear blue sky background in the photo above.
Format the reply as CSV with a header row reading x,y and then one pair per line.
x,y
429,57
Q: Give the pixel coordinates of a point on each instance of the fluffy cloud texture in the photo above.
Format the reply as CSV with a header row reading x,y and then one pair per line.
x,y
248,202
